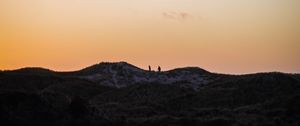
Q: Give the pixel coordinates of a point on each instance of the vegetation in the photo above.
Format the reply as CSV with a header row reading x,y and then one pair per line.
x,y
50,98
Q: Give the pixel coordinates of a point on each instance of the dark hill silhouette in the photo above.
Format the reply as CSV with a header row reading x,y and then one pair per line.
x,y
105,66
120,94
32,71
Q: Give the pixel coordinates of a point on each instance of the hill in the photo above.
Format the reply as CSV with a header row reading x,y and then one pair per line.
x,y
120,94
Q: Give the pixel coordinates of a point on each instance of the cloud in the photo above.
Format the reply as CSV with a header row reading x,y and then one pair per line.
x,y
177,15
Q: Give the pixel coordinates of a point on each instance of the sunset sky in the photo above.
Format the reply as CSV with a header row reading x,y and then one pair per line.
x,y
225,36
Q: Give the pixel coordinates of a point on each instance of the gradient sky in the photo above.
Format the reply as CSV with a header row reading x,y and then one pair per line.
x,y
225,36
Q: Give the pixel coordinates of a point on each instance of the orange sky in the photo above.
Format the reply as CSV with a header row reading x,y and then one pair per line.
x,y
226,36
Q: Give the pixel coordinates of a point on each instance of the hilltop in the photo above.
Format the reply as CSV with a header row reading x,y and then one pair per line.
x,y
121,94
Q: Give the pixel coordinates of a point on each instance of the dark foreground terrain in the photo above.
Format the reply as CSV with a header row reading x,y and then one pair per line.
x,y
120,94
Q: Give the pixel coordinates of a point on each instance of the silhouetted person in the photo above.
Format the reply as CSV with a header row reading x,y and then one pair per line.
x,y
159,69
149,68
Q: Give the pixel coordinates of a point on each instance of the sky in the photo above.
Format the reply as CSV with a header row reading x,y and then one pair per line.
x,y
224,36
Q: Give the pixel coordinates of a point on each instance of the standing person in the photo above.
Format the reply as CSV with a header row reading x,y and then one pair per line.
x,y
159,69
149,68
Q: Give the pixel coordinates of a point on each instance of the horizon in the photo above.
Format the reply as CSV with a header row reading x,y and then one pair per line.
x,y
145,69
232,37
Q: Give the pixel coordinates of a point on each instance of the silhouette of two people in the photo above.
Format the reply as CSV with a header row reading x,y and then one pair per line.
x,y
158,69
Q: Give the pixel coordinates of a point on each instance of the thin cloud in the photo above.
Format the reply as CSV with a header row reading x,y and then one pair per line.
x,y
177,15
